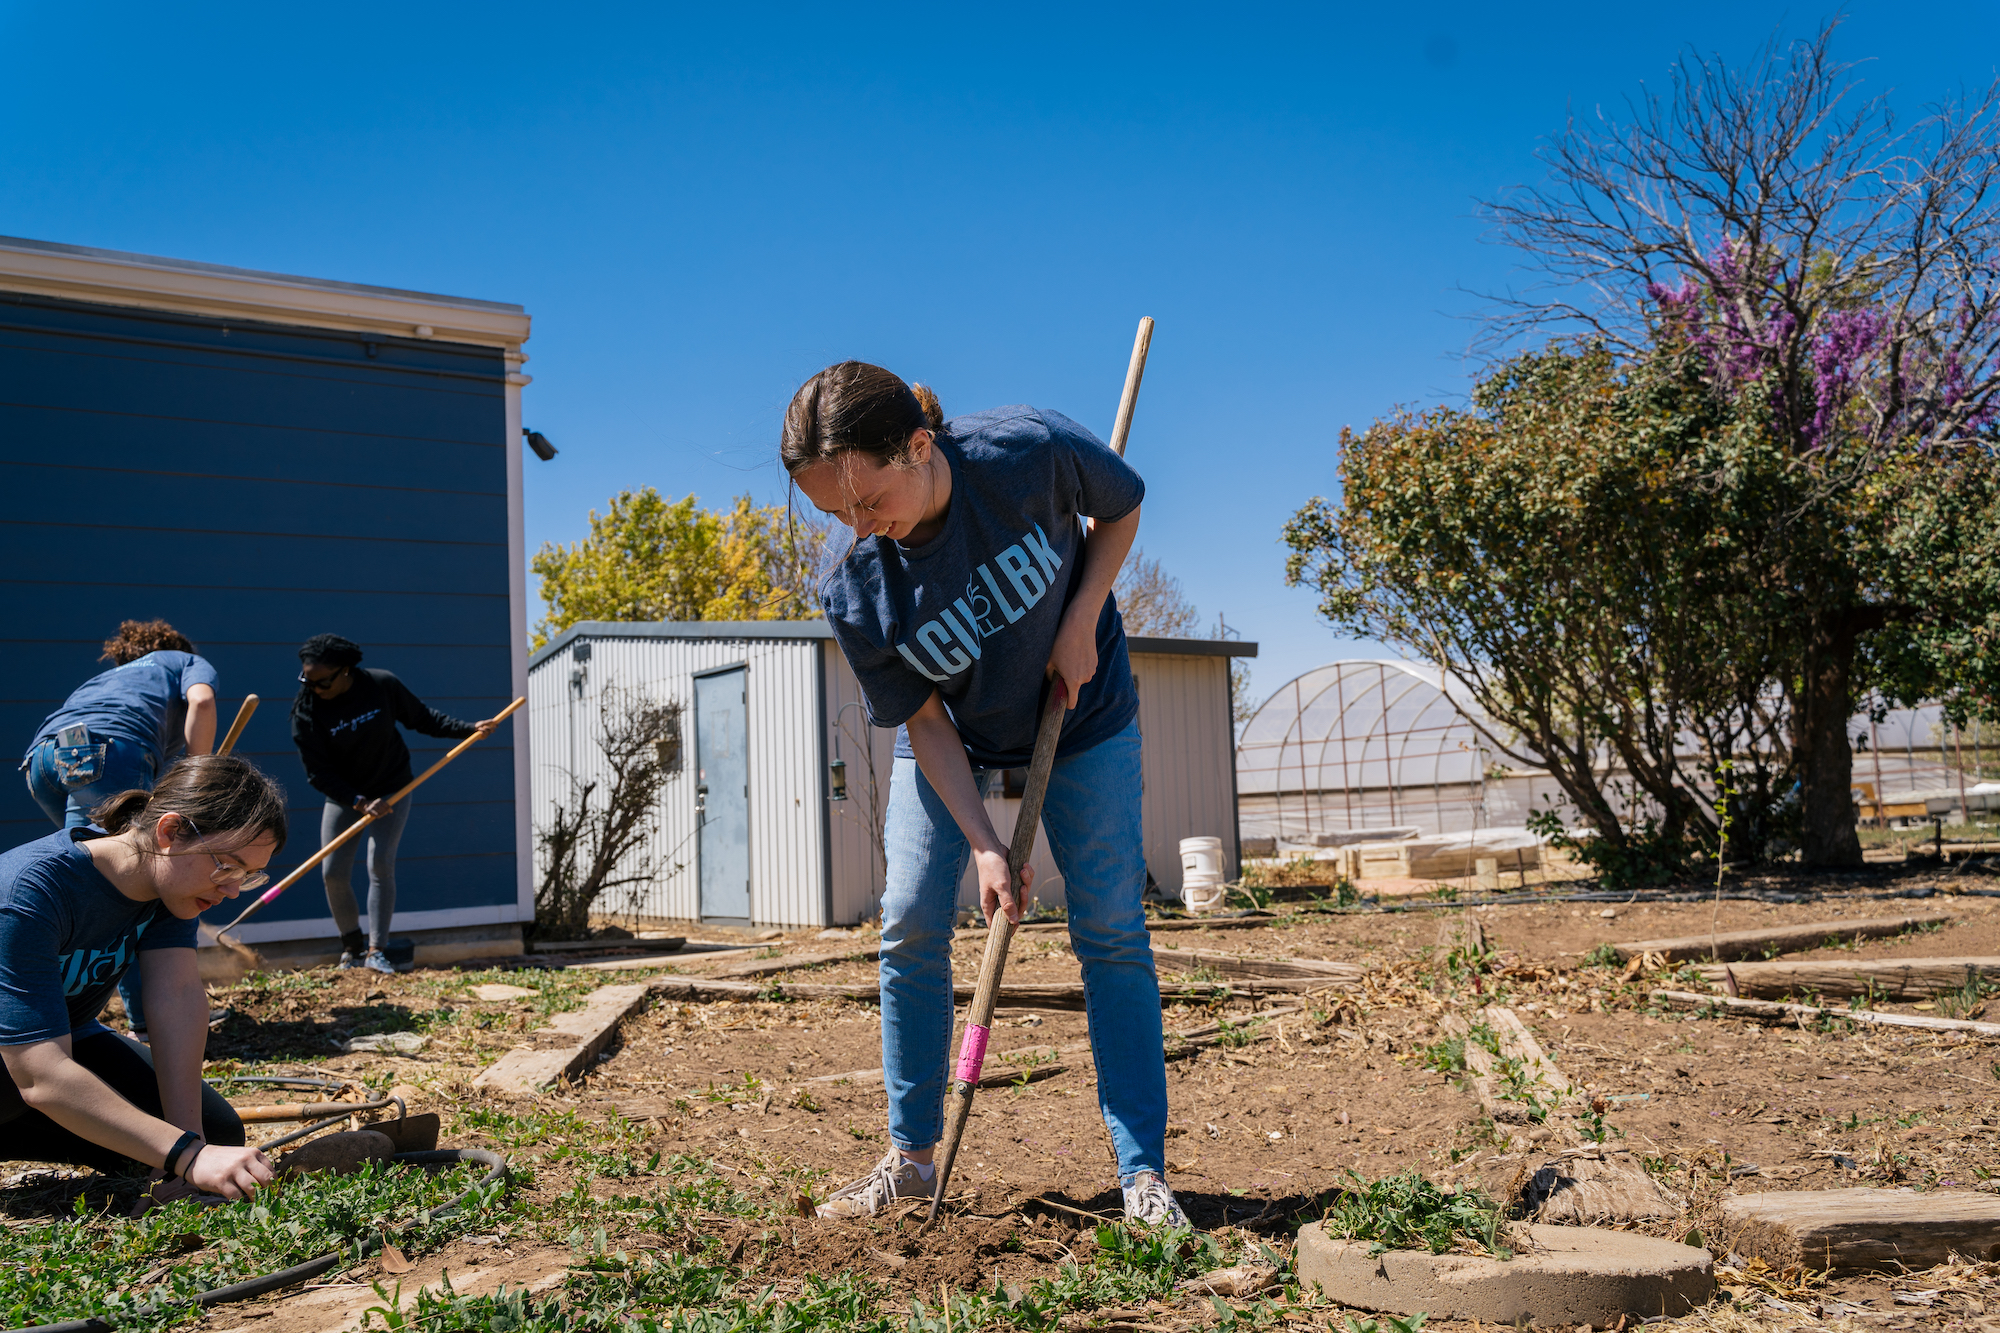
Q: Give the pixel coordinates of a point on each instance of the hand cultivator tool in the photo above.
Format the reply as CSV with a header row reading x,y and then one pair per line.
x,y
979,1016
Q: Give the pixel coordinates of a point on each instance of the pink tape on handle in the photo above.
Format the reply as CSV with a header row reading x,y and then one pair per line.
x,y
972,1053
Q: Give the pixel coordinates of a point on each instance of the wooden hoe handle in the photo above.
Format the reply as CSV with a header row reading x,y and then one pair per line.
x,y
1000,934
354,829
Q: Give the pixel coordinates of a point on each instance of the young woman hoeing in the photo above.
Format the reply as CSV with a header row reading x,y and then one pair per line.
x,y
971,582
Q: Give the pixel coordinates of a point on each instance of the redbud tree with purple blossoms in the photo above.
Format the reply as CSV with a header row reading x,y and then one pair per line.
x,y
1807,293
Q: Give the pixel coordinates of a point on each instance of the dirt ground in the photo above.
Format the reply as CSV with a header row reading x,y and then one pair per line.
x,y
1263,1127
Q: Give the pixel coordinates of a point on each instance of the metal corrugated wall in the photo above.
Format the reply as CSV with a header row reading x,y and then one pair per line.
x,y
1188,756
787,784
856,822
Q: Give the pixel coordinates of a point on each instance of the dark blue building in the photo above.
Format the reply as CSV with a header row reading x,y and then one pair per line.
x,y
258,458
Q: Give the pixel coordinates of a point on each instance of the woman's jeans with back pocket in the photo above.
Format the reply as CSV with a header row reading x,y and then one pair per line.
x,y
127,764
1092,820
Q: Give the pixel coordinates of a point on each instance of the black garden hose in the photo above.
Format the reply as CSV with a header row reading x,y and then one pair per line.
x,y
257,1286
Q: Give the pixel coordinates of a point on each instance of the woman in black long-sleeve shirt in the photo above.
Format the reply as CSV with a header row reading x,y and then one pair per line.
x,y
344,724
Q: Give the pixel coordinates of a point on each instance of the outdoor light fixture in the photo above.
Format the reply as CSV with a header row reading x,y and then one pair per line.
x,y
540,444
836,772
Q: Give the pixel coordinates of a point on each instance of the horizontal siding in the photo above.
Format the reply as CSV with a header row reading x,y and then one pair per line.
x,y
35,493
256,485
123,442
214,558
787,786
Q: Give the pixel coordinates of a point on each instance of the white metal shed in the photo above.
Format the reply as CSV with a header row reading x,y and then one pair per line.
x,y
786,852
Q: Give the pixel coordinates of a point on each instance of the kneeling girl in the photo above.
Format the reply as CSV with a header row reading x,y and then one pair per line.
x,y
80,907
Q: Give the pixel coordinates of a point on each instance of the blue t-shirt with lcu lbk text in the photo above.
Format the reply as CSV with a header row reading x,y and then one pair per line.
x,y
66,936
973,612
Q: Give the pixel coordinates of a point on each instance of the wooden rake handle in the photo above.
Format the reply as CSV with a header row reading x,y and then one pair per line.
x,y
354,829
999,935
243,716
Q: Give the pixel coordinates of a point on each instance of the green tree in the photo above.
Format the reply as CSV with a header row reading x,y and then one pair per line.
x,y
650,559
1557,552
1833,266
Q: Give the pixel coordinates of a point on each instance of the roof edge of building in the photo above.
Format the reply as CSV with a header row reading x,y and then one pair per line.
x,y
818,629
155,282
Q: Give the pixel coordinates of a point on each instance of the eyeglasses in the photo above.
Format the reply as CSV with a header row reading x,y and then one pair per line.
x,y
323,681
246,878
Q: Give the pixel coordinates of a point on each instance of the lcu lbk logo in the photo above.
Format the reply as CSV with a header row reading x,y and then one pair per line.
x,y
951,642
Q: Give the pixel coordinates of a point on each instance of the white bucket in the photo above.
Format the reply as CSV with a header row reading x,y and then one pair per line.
x,y
1203,893
1201,856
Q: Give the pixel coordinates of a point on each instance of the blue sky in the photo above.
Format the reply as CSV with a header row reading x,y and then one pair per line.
x,y
700,206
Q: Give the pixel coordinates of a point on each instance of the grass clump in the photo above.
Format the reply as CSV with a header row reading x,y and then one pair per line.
x,y
1407,1212
143,1275
610,1291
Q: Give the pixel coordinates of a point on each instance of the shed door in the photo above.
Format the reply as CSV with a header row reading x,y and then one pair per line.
x,y
722,758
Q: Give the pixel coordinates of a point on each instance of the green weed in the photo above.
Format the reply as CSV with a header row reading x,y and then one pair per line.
x,y
1405,1211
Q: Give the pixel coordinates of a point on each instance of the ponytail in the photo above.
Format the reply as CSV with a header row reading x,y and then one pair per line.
x,y
933,410
215,793
117,813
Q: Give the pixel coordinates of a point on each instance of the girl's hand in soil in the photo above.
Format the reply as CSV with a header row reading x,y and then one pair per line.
x,y
234,1173
993,890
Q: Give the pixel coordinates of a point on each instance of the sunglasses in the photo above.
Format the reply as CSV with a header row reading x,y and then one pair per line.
x,y
246,878
323,681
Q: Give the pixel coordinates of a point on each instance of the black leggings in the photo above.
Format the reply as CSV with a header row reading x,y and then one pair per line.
x,y
128,1068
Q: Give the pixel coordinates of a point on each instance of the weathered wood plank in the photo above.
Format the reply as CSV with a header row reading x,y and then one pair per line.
x,y
764,967
1583,1184
1681,999
1855,1230
1020,995
1764,940
591,1028
1239,965
1883,978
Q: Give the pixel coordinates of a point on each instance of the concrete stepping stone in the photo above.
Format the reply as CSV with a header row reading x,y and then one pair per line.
x,y
1574,1275
1858,1230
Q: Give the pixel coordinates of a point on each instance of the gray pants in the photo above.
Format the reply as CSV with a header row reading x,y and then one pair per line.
x,y
382,837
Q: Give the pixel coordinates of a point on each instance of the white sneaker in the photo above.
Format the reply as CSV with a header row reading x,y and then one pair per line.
x,y
893,1178
377,961
1148,1200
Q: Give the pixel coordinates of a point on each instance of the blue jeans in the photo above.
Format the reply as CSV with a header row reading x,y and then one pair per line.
x,y
127,764
1092,819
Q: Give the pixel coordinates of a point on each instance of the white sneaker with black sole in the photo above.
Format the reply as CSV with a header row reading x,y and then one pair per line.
x,y
893,1178
1148,1200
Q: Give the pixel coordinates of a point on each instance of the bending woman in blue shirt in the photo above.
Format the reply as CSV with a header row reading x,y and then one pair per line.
x,y
118,730
971,583
77,909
